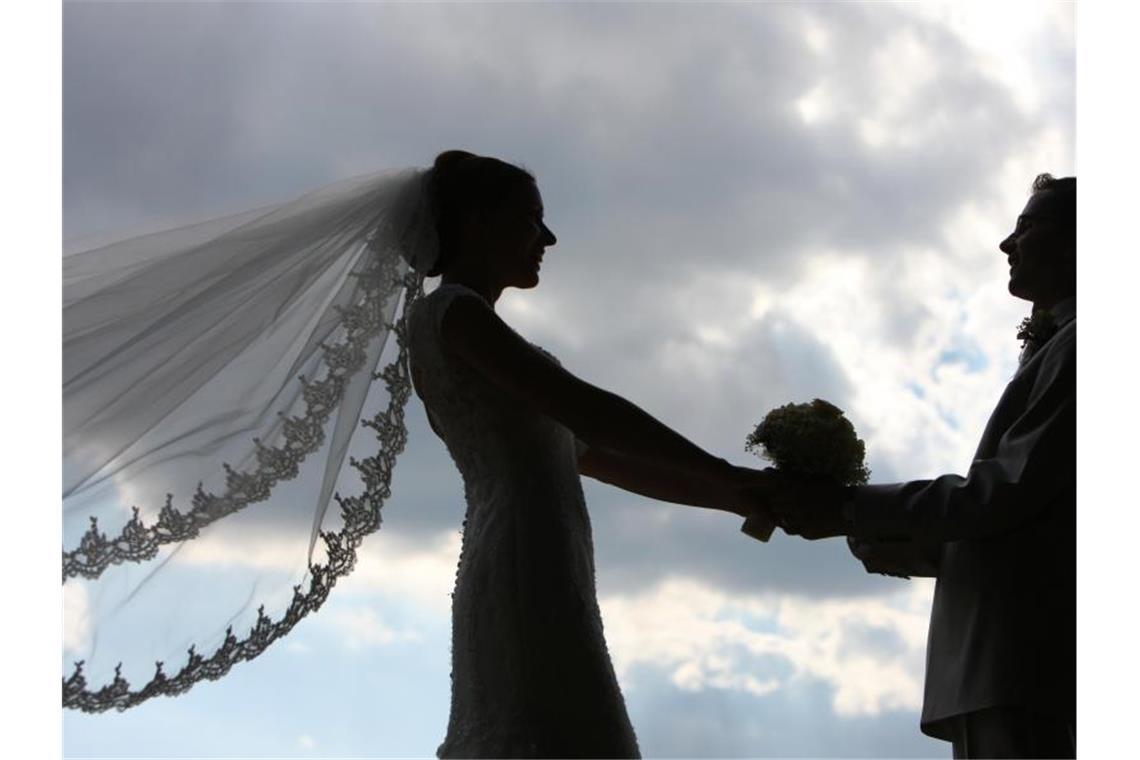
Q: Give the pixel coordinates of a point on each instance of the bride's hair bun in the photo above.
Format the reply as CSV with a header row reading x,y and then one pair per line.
x,y
464,182
450,159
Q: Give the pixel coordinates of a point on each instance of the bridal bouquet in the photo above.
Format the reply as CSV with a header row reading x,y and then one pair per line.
x,y
808,441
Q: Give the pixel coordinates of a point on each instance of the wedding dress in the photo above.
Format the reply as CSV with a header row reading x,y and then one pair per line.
x,y
531,675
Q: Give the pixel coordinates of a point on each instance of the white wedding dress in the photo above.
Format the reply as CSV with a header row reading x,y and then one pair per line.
x,y
531,675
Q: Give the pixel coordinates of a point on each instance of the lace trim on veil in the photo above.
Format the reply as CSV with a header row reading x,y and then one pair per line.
x,y
361,516
302,435
362,323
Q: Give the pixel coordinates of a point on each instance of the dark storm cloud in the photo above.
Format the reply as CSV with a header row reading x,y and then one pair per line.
x,y
668,146
193,106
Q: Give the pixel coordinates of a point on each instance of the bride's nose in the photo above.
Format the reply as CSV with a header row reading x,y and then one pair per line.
x,y
548,237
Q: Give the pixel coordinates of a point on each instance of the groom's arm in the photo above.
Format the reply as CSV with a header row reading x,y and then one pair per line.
x,y
1034,462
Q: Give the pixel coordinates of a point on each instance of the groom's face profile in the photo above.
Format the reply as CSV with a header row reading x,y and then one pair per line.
x,y
1041,252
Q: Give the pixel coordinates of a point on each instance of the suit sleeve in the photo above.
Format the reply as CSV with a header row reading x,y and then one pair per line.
x,y
899,558
1034,460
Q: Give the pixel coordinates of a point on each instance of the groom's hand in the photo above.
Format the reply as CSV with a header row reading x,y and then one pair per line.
x,y
810,509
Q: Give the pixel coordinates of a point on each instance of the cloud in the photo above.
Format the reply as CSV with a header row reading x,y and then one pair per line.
x,y
869,650
76,619
422,573
218,552
362,627
794,722
708,268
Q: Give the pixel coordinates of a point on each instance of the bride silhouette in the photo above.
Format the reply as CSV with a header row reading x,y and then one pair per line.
x,y
531,675
159,329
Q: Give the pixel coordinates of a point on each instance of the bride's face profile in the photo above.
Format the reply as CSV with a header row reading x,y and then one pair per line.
x,y
490,222
518,238
503,246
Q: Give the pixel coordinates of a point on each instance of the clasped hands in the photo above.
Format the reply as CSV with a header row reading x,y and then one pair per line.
x,y
811,509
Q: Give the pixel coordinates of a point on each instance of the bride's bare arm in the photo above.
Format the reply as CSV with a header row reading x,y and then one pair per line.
x,y
601,419
735,494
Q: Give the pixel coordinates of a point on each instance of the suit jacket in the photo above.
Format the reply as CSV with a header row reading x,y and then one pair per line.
x,y
1002,543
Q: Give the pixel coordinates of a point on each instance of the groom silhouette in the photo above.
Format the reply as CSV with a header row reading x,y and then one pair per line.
x,y
1001,650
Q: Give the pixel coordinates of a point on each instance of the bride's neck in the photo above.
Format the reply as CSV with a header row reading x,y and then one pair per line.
x,y
479,281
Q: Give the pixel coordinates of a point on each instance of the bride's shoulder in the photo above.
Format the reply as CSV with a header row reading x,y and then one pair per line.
x,y
448,290
429,310
446,293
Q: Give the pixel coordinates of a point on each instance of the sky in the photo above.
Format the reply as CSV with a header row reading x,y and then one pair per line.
x,y
755,204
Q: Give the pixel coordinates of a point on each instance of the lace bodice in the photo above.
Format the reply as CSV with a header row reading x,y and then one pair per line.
x,y
497,446
531,675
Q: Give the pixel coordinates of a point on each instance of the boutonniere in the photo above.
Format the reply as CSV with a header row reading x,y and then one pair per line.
x,y
1036,330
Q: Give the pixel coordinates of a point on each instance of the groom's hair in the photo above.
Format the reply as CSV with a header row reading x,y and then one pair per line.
x,y
464,182
1064,190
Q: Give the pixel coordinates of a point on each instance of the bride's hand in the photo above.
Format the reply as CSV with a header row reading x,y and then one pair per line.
x,y
748,489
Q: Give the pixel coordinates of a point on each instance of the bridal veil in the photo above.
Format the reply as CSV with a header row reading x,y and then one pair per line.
x,y
224,383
